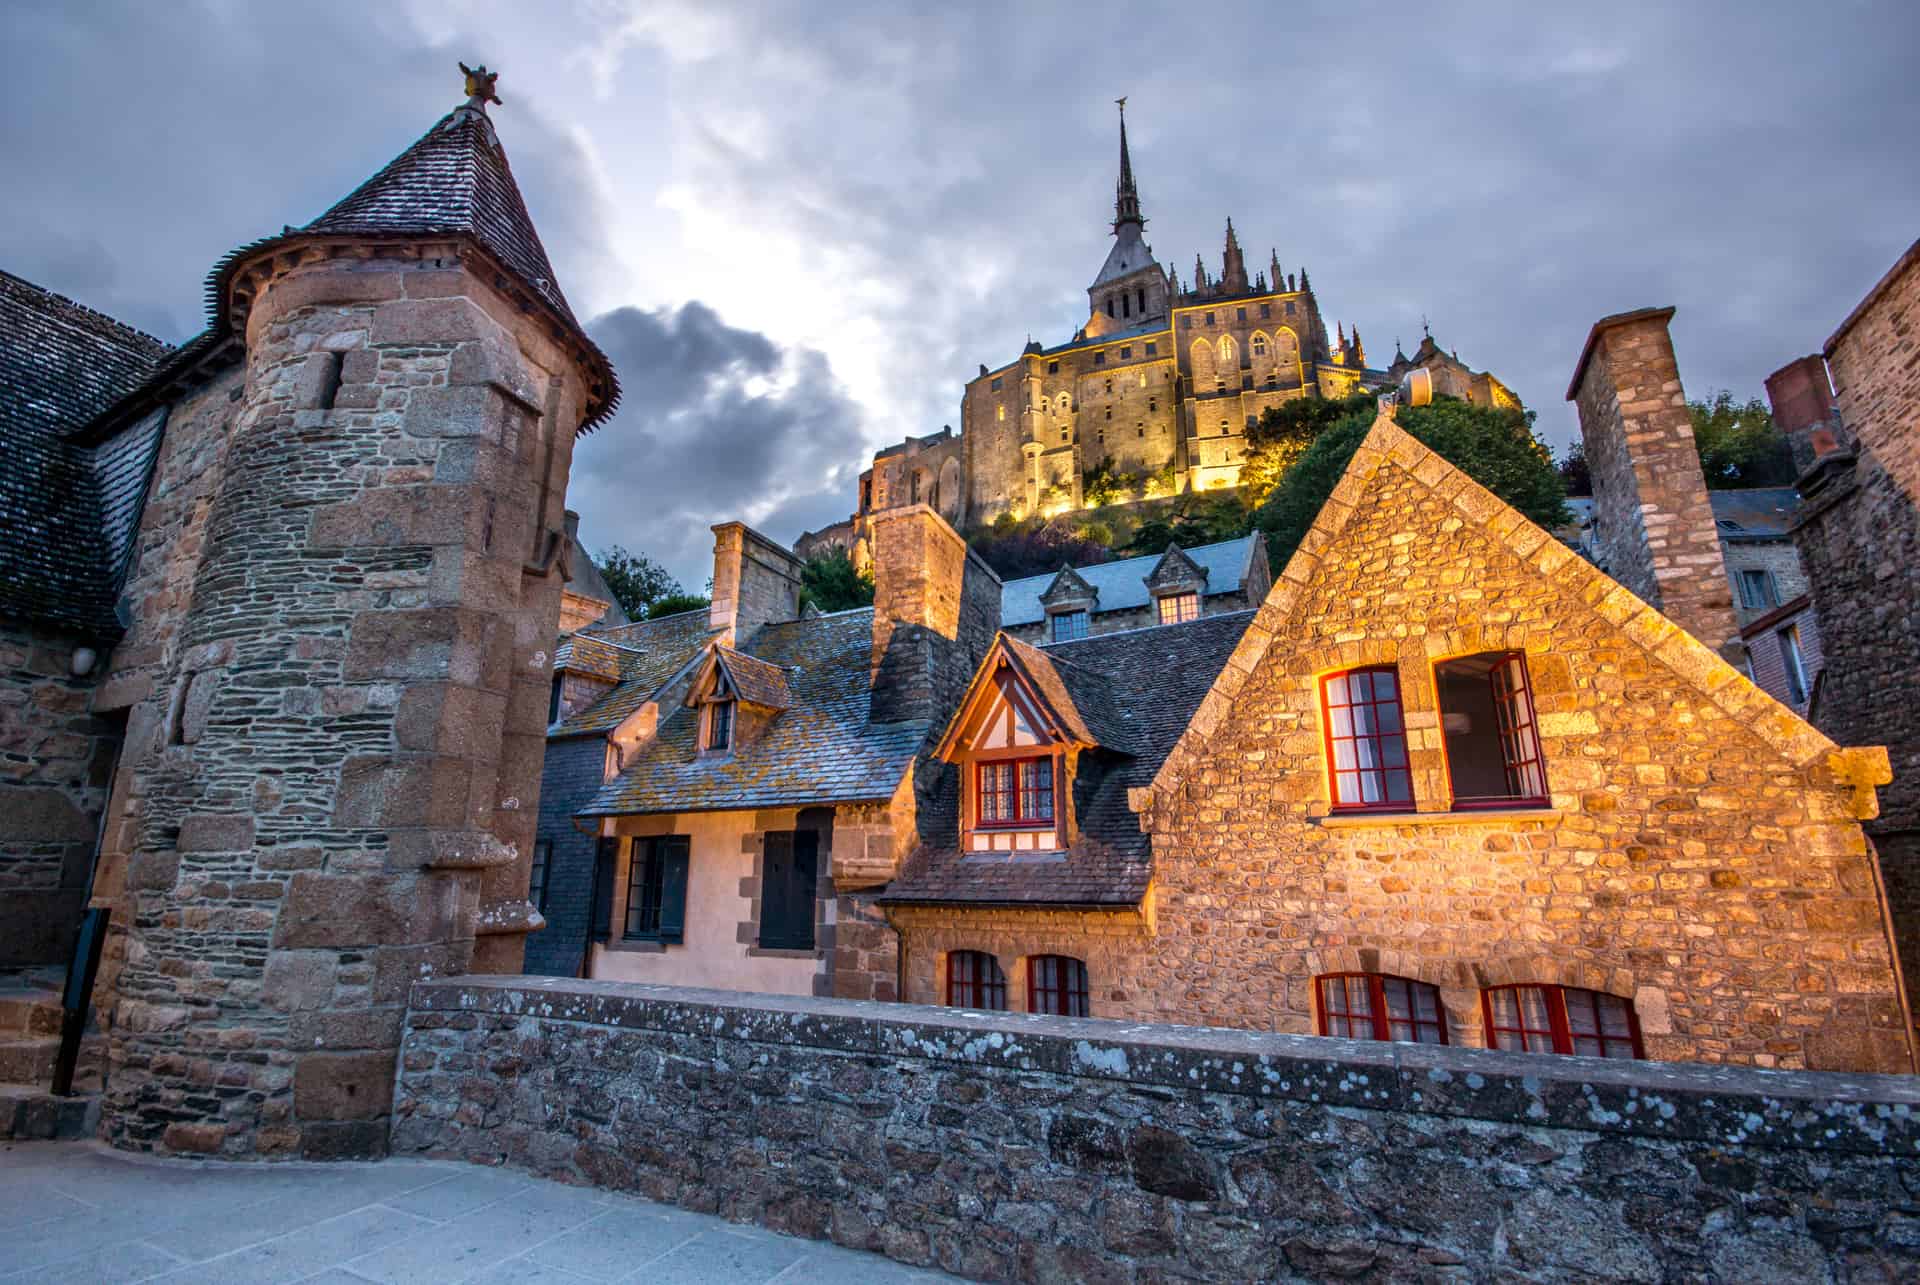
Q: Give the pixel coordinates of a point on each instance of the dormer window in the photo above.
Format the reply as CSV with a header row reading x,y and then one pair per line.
x,y
1065,626
1016,792
1013,760
719,725
1177,607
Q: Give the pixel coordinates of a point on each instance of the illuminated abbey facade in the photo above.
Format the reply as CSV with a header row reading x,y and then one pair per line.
x,y
1158,388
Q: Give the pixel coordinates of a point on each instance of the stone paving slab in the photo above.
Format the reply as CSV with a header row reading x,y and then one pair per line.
x,y
77,1211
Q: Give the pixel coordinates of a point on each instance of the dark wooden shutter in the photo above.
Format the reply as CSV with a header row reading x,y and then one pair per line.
x,y
790,876
672,851
606,851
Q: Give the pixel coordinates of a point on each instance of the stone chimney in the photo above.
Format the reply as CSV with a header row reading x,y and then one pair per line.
x,y
1802,401
936,609
1653,523
755,582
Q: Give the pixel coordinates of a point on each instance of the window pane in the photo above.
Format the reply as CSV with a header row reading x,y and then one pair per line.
x,y
1337,690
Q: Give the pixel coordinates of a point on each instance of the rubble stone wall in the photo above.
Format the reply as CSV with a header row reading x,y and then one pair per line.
x,y
55,761
1006,1147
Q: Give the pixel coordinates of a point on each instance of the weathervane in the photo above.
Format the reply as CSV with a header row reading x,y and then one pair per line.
x,y
480,86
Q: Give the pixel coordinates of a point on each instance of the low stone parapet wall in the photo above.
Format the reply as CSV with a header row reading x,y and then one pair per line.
x,y
1009,1146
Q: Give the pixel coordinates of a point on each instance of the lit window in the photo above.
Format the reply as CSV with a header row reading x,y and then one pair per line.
x,y
1757,590
1366,740
719,724
1790,661
537,878
1014,792
1560,1019
1176,607
1228,352
1377,1006
1068,625
1057,984
1000,413
1487,725
974,980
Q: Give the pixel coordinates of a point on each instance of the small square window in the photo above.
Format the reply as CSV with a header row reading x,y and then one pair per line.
x,y
1053,368
1065,626
1266,310
1100,358
1209,319
995,385
1186,321
1757,591
1240,314
1152,348
1289,307
1177,607
1125,353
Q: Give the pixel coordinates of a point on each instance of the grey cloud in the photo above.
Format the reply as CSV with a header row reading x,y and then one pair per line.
x,y
717,423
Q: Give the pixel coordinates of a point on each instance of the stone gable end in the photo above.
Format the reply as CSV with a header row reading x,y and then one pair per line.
x,y
1699,855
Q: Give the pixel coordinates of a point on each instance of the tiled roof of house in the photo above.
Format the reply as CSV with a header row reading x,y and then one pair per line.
x,y
823,748
1083,697
585,654
651,652
1153,681
1123,585
756,681
65,509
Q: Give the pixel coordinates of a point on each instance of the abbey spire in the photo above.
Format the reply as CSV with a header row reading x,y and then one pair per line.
x,y
1126,197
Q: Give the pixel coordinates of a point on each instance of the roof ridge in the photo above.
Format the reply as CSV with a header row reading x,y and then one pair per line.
x,y
10,280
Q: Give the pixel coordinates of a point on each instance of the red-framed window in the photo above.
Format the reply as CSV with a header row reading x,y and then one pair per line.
x,y
1379,1006
974,980
1561,1019
1014,792
1057,984
1366,740
1177,607
1491,735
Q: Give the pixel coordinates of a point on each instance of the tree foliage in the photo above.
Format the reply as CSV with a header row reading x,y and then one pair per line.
x,y
829,582
1494,446
637,581
1282,435
1575,475
675,603
1739,444
1015,548
1201,519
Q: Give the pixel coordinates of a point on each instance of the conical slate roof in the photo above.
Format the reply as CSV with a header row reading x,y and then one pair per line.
x,y
455,179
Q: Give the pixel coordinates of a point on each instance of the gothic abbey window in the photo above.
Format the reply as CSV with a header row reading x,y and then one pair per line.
x,y
1228,352
1259,345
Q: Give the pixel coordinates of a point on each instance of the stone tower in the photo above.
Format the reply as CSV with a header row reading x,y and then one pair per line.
x,y
337,793
1653,520
1131,288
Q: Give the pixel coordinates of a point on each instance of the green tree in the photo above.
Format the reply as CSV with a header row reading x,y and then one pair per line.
x,y
1494,446
1738,444
829,582
675,603
1102,485
637,581
1282,435
1204,518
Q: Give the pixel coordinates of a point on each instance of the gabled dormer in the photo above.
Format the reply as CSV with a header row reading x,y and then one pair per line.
x,y
1177,584
735,696
1069,603
1017,741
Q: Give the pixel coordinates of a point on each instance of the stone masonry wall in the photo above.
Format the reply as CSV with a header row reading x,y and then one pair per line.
x,y
340,733
55,761
1859,536
1004,1147
1686,861
1653,523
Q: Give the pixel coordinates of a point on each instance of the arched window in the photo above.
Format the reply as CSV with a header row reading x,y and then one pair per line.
x,y
1259,345
1366,740
1379,1006
1109,305
1057,984
974,980
1228,352
1560,1019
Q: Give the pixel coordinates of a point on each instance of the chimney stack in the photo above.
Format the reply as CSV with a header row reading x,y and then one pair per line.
x,y
936,609
755,582
1652,518
1802,401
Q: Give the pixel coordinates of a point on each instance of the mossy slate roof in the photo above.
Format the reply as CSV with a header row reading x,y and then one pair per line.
x,y
823,748
650,652
65,509
1152,682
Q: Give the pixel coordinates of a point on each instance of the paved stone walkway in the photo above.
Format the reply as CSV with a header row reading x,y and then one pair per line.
x,y
76,1211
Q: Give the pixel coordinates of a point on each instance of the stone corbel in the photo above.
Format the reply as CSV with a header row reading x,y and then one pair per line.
x,y
450,850
553,543
507,918
1863,768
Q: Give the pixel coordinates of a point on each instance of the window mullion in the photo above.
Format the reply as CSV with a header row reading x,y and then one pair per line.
x,y
1557,1018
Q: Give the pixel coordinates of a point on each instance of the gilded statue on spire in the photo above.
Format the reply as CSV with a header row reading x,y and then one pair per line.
x,y
480,86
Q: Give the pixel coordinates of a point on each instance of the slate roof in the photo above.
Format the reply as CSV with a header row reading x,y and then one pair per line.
x,y
1082,697
585,654
1153,681
756,681
1123,584
66,510
822,749
651,652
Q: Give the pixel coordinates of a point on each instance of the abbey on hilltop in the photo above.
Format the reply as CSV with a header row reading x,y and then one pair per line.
x,y
1159,386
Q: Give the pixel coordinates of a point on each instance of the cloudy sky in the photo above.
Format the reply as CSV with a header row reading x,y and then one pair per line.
x,y
799,227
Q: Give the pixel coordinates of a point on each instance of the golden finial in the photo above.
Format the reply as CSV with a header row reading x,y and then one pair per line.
x,y
480,86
